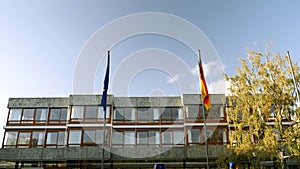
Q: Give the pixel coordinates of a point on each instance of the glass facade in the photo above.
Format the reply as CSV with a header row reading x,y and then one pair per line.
x,y
82,125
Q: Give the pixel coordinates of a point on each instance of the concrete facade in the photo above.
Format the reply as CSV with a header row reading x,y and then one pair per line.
x,y
132,155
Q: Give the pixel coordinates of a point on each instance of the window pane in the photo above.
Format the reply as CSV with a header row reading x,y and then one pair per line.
x,y
142,114
51,138
178,137
38,139
63,116
15,114
167,114
180,114
129,138
192,112
194,136
41,114
61,138
28,114
24,138
156,114
91,112
54,114
215,112
75,137
167,137
99,136
117,138
129,114
154,137
142,137
101,112
77,112
11,138
89,136
118,114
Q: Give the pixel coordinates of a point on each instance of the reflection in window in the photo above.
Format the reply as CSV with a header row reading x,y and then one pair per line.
x,y
124,114
91,112
194,136
93,137
74,137
167,137
41,115
15,114
154,138
24,138
27,116
117,138
192,112
55,139
77,113
58,115
178,137
216,136
11,138
129,138
101,112
216,112
142,138
37,139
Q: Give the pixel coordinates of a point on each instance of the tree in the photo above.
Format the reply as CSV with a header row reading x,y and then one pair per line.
x,y
262,108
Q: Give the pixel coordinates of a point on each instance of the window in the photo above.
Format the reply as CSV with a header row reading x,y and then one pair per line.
x,y
142,138
10,139
55,139
178,137
90,113
37,139
58,115
194,136
15,115
167,138
216,136
24,139
93,137
216,112
74,137
129,138
194,112
77,113
142,114
123,138
27,115
172,114
148,114
117,138
41,115
101,112
124,115
154,138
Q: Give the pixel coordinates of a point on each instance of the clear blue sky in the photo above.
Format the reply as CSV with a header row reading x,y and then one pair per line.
x,y
40,41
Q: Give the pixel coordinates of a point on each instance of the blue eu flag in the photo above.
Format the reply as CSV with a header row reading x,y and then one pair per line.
x,y
105,87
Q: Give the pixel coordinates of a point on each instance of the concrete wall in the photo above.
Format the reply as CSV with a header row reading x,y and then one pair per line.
x,y
124,153
38,102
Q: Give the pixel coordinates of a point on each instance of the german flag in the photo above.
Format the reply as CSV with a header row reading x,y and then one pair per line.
x,y
203,87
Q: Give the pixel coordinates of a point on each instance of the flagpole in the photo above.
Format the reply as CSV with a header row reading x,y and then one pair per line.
x,y
103,104
294,80
204,119
103,138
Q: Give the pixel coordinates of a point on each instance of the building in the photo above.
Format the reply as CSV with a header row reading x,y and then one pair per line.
x,y
69,132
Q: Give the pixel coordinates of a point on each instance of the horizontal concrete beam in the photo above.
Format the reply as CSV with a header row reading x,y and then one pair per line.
x,y
116,153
